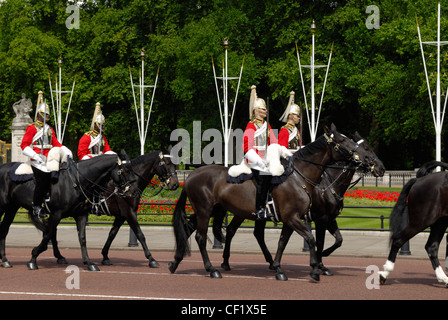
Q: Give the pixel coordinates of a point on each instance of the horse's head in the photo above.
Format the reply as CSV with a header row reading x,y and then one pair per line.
x,y
166,171
370,161
342,148
122,175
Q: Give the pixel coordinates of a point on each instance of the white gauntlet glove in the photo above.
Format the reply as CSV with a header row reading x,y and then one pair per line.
x,y
253,157
40,159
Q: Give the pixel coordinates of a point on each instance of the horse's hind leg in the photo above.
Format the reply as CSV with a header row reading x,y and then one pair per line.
x,y
133,223
57,254
230,232
320,240
260,226
43,245
397,243
118,222
432,248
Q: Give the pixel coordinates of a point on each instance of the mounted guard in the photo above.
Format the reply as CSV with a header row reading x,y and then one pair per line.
x,y
94,143
40,144
289,135
258,135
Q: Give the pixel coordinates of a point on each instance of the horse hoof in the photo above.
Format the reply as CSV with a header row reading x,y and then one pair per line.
x,y
62,261
225,266
154,264
281,277
32,266
327,272
215,274
6,264
106,262
93,267
172,267
382,279
315,276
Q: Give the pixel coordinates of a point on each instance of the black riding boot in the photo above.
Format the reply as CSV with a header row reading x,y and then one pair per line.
x,y
262,183
42,181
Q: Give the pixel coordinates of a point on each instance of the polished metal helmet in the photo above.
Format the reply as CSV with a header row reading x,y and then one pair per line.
x,y
98,118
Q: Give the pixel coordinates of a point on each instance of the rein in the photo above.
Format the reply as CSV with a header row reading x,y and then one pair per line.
x,y
77,184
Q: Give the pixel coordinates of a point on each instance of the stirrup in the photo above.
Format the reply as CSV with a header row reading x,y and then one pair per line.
x,y
39,212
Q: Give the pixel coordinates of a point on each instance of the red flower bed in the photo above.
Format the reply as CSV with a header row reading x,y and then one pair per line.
x,y
373,195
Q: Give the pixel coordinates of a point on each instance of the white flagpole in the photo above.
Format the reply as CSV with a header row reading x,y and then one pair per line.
x,y
437,114
313,122
225,116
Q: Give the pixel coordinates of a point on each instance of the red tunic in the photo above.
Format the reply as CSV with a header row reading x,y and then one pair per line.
x,y
249,139
283,138
27,140
84,143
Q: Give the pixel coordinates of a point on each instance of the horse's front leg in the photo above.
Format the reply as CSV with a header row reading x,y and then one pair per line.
x,y
81,223
46,236
201,239
8,218
282,242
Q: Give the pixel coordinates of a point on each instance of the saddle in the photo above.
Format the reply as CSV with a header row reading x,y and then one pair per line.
x,y
22,171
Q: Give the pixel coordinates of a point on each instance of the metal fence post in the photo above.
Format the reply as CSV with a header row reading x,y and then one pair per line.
x,y
132,239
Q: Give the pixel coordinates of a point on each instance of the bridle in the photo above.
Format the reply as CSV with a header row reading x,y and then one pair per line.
x,y
166,176
98,190
369,166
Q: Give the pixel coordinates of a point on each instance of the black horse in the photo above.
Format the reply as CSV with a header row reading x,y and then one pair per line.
x,y
124,208
70,195
327,203
425,200
210,195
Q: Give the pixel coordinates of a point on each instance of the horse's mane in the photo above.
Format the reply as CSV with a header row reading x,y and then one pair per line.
x,y
311,148
144,158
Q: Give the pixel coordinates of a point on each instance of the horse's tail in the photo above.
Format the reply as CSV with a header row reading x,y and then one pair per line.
x,y
183,226
429,166
396,217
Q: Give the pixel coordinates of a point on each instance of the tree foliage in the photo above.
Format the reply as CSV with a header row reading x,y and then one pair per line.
x,y
376,83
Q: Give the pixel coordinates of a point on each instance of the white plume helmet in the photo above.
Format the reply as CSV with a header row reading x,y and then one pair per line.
x,y
290,108
41,106
255,102
97,117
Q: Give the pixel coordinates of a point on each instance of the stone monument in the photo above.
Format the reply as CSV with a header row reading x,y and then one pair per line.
x,y
22,108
